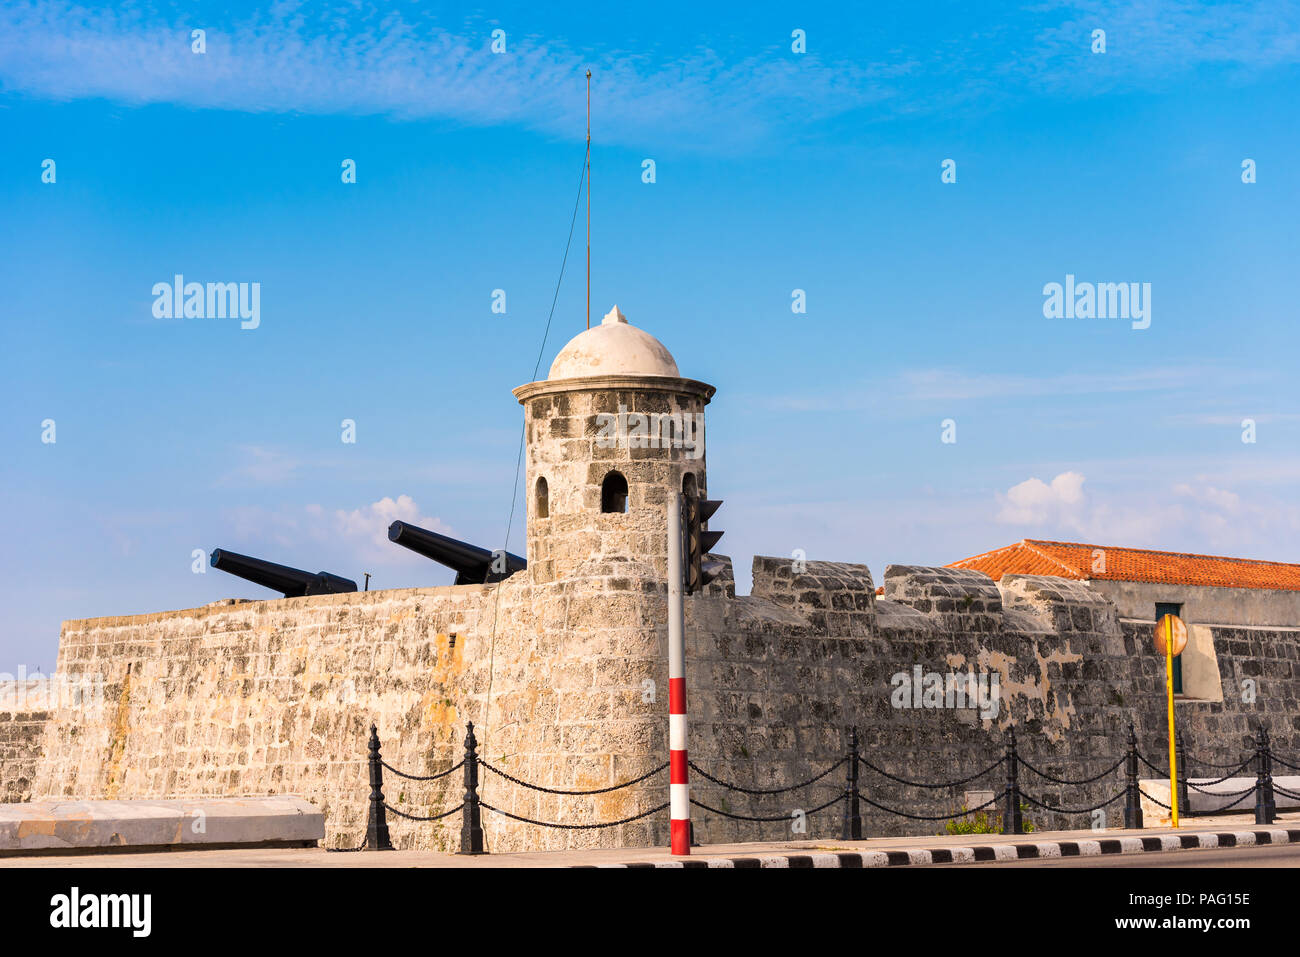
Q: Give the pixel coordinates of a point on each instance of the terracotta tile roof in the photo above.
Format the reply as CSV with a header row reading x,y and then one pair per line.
x,y
1076,560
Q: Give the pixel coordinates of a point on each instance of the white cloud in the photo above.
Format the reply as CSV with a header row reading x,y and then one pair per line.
x,y
352,59
261,466
1209,495
1188,516
948,385
1145,39
369,524
1035,502
1230,421
358,58
357,535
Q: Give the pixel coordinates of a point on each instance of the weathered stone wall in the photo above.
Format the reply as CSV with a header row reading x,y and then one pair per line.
x,y
277,697
569,446
781,690
777,676
1259,669
22,727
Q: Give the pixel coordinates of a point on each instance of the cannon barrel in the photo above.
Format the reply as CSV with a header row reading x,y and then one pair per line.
x,y
291,582
473,565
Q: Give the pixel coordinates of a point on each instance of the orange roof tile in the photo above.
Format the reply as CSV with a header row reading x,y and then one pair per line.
x,y
1108,562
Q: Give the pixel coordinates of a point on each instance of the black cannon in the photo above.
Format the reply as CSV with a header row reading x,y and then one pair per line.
x,y
293,582
473,565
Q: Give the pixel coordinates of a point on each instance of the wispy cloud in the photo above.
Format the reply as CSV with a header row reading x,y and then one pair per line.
x,y
916,385
261,466
1232,421
359,533
361,59
1034,502
952,385
1156,41
350,60
1194,515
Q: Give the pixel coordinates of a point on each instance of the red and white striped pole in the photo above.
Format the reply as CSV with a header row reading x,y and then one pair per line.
x,y
679,794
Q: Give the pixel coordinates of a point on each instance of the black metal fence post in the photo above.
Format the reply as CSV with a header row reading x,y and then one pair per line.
x,y
1132,790
1261,801
1270,803
1011,821
1184,804
471,827
377,822
852,829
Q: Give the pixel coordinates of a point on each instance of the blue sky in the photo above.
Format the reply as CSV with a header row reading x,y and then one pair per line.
x,y
775,171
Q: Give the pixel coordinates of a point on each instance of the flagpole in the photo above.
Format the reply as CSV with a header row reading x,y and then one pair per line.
x,y
588,199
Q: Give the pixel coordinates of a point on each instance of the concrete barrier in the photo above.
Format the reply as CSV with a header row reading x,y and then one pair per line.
x,y
44,827
1223,797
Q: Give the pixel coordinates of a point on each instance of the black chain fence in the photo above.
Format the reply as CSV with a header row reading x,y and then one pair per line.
x,y
1012,795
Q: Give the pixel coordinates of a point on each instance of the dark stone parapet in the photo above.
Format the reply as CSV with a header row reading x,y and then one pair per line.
x,y
836,598
963,599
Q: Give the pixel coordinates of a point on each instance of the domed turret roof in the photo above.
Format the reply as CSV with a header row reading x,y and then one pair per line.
x,y
615,347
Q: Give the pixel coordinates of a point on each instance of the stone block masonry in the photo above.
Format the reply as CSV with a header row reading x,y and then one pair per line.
x,y
22,729
776,676
569,453
563,668
276,697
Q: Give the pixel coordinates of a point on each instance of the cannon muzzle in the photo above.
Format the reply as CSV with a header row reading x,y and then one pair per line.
x,y
473,565
291,582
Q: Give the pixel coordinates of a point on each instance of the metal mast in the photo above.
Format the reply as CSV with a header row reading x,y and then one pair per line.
x,y
588,199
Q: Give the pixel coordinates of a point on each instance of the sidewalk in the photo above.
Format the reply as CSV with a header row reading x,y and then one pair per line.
x,y
1218,831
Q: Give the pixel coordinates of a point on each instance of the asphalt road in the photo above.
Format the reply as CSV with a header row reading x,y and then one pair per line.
x,y
1269,855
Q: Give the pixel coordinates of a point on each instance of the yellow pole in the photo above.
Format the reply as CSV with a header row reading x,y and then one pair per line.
x,y
1169,690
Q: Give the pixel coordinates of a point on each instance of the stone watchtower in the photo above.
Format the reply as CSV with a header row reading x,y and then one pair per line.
x,y
610,433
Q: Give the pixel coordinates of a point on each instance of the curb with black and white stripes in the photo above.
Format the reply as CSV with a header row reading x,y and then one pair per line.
x,y
986,852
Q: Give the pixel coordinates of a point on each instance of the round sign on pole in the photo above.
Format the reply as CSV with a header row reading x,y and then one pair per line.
x,y
1180,634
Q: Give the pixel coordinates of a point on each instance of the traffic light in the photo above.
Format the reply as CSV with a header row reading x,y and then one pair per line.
x,y
699,542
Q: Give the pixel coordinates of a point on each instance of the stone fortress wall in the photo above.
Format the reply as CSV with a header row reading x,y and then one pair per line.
x,y
23,716
275,697
1071,676
563,668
